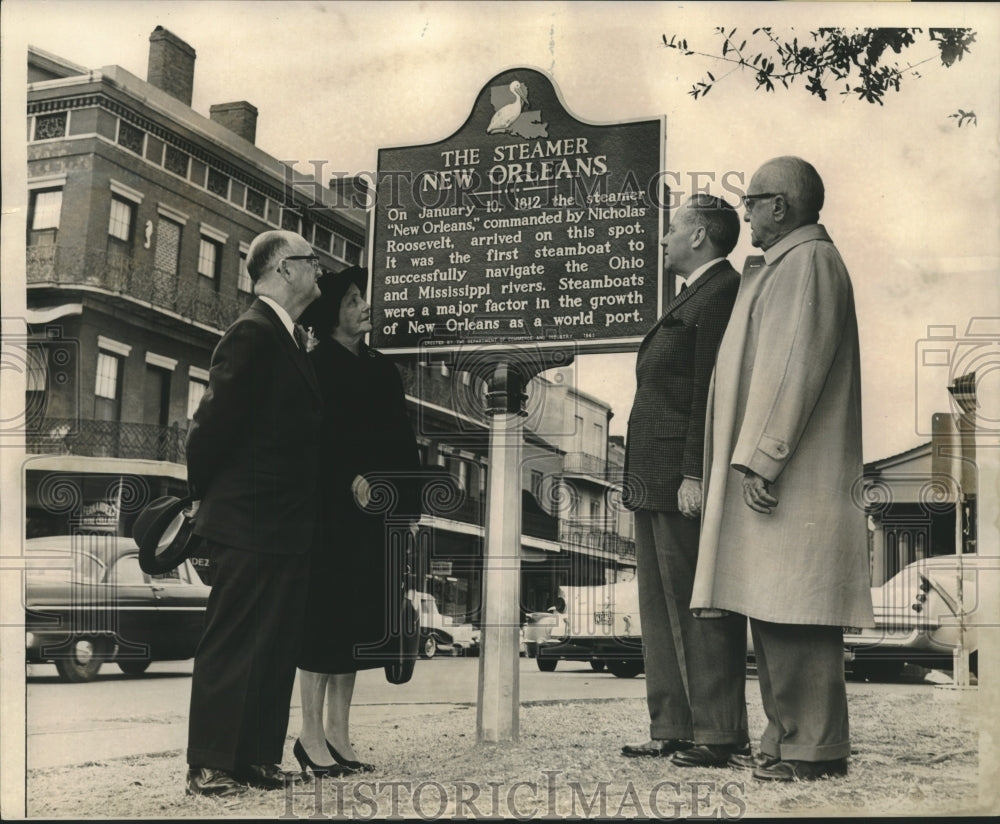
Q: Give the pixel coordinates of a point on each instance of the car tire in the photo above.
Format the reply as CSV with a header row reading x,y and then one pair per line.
x,y
429,648
597,665
83,661
625,667
531,649
546,664
134,666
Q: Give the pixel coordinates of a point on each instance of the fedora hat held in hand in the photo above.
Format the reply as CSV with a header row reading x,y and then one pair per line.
x,y
164,533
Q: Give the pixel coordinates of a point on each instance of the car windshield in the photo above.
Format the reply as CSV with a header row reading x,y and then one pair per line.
x,y
79,567
77,558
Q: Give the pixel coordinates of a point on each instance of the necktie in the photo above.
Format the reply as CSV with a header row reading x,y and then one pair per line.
x,y
681,290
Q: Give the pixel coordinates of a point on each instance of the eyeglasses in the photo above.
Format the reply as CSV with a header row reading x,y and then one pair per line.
x,y
311,258
749,199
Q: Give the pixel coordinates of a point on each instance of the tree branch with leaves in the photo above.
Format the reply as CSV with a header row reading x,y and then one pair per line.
x,y
859,59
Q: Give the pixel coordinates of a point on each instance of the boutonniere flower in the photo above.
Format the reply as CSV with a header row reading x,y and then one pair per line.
x,y
311,341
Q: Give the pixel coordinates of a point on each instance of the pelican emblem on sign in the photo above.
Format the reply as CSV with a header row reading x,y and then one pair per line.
x,y
511,117
506,115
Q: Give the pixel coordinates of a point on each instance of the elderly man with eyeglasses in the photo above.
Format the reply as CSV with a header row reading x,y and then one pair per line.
x,y
252,456
783,538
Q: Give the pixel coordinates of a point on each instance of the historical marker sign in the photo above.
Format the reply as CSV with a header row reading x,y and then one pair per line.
x,y
526,227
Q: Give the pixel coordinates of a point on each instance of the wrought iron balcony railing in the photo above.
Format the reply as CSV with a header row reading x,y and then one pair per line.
x,y
582,463
107,439
585,464
121,274
582,536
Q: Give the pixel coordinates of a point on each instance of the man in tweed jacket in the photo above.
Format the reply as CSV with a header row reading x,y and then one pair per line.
x,y
695,666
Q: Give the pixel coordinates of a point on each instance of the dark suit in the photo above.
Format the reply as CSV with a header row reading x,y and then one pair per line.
x,y
694,666
253,464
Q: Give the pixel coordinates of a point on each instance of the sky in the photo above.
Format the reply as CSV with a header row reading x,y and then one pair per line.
x,y
911,199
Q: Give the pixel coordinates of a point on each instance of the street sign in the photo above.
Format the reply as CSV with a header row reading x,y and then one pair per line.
x,y
527,226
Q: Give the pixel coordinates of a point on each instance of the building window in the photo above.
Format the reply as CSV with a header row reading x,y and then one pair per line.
x,y
130,137
597,443
244,283
352,254
176,161
48,126
338,249
107,388
168,246
122,218
289,220
256,202
121,227
196,391
43,224
218,183
323,237
107,375
209,258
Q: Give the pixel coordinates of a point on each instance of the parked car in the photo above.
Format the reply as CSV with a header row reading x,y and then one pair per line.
x,y
87,602
476,645
437,631
539,627
918,617
601,625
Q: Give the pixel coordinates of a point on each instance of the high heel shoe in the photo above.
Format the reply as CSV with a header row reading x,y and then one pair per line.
x,y
318,770
347,763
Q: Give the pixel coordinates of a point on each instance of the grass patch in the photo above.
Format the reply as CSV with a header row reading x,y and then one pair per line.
x,y
913,755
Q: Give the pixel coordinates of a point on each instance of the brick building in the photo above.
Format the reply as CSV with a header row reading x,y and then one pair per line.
x,y
140,215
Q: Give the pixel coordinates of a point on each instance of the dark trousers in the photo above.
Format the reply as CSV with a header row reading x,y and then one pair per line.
x,y
801,672
695,667
244,669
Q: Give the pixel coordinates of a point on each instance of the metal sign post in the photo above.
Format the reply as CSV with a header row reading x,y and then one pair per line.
x,y
499,673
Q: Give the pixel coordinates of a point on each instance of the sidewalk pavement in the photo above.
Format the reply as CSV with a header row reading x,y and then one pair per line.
x,y
915,751
55,746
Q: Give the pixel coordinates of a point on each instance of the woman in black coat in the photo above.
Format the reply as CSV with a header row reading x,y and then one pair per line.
x,y
370,467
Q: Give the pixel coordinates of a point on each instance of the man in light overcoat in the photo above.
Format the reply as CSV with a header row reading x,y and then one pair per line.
x,y
783,538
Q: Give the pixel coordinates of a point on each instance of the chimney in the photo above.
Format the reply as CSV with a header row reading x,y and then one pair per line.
x,y
171,65
351,192
239,117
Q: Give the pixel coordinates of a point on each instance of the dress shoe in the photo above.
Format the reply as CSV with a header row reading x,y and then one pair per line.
x,y
353,766
266,776
318,770
708,755
209,781
656,748
800,770
750,761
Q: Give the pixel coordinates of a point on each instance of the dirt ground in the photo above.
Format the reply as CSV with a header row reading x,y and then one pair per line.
x,y
913,757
